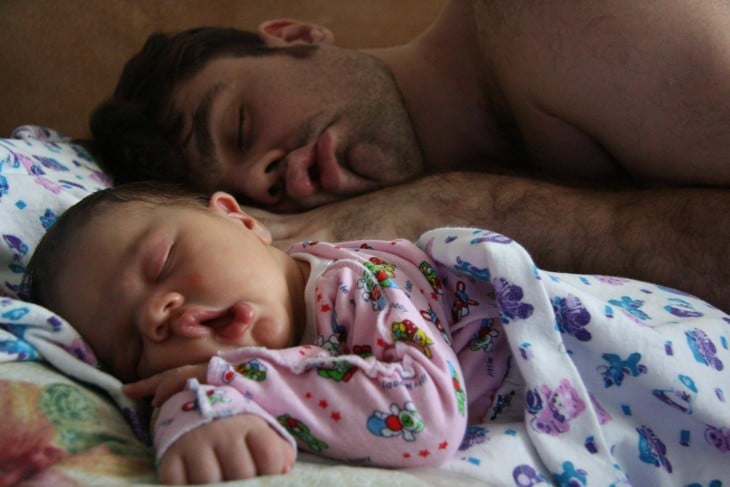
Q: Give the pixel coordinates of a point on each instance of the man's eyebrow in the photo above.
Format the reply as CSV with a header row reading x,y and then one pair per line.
x,y
200,129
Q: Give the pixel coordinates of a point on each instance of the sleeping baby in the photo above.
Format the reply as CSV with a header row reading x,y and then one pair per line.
x,y
382,353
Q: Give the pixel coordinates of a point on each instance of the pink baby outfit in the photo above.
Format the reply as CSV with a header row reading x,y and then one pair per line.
x,y
380,375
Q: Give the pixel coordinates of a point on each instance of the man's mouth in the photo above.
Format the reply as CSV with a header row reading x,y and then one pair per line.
x,y
312,169
327,166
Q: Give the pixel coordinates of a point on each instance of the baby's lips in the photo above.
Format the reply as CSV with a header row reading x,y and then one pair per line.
x,y
241,316
191,322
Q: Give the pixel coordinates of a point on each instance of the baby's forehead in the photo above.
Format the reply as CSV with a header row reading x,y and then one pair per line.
x,y
154,206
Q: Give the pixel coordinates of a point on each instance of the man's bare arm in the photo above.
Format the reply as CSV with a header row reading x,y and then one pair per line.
x,y
676,237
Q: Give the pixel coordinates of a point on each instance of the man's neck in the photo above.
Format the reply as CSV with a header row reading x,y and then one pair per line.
x,y
446,90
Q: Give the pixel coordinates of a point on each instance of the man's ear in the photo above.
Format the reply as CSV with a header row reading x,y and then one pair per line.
x,y
226,204
285,32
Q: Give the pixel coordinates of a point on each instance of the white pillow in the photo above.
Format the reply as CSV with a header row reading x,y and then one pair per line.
x,y
42,173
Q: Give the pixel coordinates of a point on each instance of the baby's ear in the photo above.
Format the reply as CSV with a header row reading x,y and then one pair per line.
x,y
286,32
226,204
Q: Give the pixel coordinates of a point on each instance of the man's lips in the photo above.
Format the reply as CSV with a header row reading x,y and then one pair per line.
x,y
329,169
312,168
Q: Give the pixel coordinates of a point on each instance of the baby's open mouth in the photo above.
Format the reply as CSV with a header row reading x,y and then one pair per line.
x,y
219,321
231,323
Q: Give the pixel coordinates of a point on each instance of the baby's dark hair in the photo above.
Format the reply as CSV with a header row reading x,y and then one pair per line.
x,y
40,278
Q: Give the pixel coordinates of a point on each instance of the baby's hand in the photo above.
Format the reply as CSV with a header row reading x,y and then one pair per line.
x,y
165,384
236,447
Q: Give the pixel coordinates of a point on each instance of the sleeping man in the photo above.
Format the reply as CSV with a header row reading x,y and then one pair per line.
x,y
595,133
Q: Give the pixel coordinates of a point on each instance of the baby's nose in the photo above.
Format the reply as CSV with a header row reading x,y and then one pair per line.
x,y
158,312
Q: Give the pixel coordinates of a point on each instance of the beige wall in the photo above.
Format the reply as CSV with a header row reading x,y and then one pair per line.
x,y
60,58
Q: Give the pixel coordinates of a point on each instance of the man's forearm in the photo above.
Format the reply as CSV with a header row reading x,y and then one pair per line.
x,y
676,237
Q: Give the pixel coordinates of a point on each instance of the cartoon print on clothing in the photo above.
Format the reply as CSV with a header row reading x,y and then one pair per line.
x,y
680,395
652,450
405,422
501,402
485,337
333,343
301,432
16,244
472,270
213,396
51,163
371,291
474,435
338,371
431,316
572,317
718,438
487,236
253,369
553,409
458,389
617,368
30,166
363,351
526,476
570,476
383,271
703,349
683,309
407,331
342,370
21,349
462,301
432,277
509,298
48,218
631,306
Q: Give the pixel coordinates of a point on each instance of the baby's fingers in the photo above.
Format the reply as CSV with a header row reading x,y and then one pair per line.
x,y
172,471
165,384
142,388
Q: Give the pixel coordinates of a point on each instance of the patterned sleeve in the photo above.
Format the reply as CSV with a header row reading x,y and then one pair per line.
x,y
381,385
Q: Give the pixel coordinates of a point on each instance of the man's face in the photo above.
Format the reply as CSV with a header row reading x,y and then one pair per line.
x,y
293,132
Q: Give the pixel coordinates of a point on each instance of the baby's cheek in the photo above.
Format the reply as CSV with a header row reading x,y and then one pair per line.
x,y
194,279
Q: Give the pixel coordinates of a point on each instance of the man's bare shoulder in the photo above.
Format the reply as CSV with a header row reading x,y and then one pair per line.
x,y
609,28
648,83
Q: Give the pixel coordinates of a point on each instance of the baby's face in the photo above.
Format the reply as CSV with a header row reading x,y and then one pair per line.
x,y
156,287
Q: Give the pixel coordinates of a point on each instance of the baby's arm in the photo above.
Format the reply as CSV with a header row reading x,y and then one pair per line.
x,y
242,442
236,447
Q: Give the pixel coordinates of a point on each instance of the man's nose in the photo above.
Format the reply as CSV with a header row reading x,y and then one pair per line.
x,y
156,320
263,182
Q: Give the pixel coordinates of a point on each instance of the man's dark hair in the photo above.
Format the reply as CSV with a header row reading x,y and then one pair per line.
x,y
40,279
136,135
